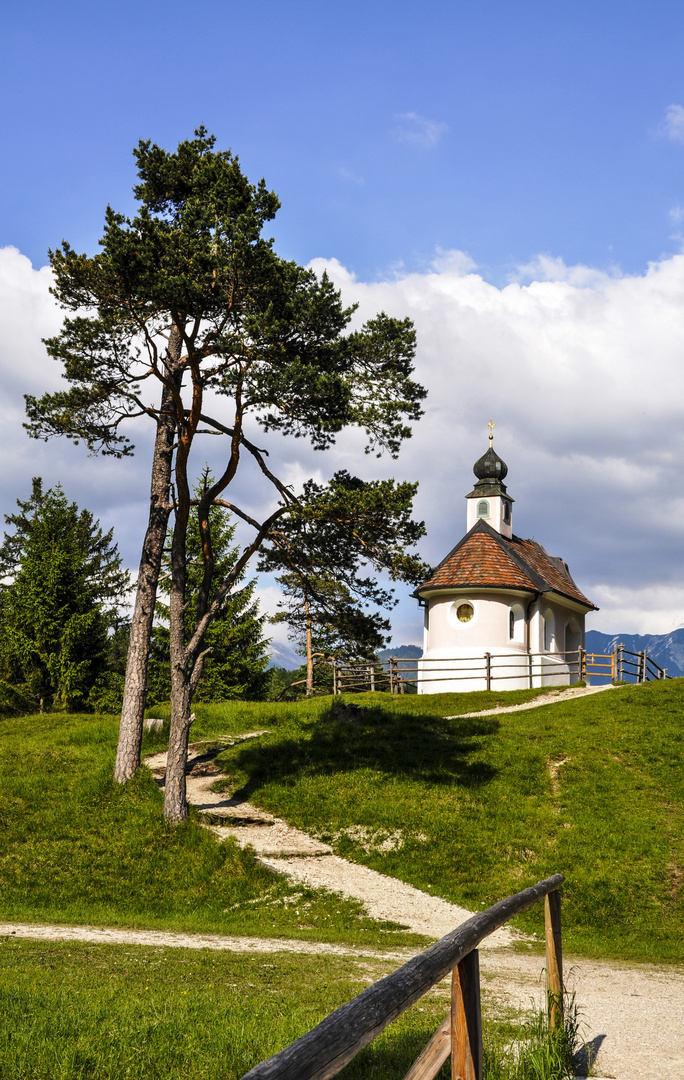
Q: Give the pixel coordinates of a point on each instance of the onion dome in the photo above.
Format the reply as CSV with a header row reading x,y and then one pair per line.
x,y
490,471
490,466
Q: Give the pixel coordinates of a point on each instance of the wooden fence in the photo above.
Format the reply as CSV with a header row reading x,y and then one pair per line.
x,y
533,669
326,1049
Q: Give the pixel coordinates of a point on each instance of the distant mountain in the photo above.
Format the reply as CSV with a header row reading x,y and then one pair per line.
x,y
666,649
283,656
401,652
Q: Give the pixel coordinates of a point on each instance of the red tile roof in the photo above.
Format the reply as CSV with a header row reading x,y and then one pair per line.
x,y
485,559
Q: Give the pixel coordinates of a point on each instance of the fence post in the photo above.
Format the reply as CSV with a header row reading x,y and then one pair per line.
x,y
614,664
488,669
333,664
530,670
466,1019
581,664
390,664
622,661
554,957
643,665
372,678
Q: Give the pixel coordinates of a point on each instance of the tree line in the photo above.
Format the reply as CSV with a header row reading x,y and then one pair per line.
x,y
189,319
63,630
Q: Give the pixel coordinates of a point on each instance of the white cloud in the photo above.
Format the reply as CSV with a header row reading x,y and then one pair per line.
x,y
672,125
419,131
581,370
676,214
650,609
453,261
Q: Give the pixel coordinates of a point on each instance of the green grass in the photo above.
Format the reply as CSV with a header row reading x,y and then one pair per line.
x,y
463,808
76,848
70,1011
476,811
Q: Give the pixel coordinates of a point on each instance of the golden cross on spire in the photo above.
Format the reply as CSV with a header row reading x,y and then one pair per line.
x,y
491,425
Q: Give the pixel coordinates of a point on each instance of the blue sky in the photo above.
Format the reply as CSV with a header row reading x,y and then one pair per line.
x,y
388,129
479,166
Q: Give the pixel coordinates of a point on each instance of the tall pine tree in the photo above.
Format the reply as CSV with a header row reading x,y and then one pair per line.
x,y
62,577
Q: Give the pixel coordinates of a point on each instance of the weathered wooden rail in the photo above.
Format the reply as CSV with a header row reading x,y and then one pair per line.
x,y
326,1049
534,669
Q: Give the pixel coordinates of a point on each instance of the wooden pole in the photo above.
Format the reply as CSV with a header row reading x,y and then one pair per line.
x,y
430,1061
488,667
530,665
554,957
372,679
466,1019
334,667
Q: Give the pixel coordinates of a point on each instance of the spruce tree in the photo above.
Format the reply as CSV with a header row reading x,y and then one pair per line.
x,y
62,577
237,666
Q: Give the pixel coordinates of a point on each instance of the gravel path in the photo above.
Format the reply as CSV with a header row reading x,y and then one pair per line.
x,y
306,860
554,697
218,942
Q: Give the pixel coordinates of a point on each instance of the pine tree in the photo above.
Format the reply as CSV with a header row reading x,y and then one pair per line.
x,y
237,665
190,297
322,556
62,577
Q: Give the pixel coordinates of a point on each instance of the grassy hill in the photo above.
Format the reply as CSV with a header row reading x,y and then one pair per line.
x,y
469,809
474,809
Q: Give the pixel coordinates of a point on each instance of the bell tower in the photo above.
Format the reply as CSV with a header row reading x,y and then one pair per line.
x,y
489,501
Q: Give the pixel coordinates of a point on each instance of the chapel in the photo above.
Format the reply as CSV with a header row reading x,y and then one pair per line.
x,y
500,612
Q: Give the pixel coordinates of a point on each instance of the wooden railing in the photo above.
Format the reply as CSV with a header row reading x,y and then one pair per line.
x,y
326,1049
533,669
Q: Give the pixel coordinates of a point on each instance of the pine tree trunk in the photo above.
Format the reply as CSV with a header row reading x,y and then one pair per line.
x,y
175,801
309,652
135,689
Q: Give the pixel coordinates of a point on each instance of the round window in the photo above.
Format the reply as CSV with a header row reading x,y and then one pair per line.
x,y
464,612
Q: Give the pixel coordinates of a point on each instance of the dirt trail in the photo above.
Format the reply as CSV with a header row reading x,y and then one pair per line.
x,y
306,860
218,942
554,697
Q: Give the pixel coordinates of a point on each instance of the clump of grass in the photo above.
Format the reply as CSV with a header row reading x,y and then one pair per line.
x,y
535,1052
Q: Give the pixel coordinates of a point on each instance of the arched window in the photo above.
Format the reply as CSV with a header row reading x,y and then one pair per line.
x,y
516,623
483,509
507,512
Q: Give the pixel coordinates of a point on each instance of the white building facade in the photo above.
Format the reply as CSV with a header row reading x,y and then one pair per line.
x,y
500,613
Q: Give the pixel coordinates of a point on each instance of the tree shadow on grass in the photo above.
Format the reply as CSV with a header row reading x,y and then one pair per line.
x,y
425,748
